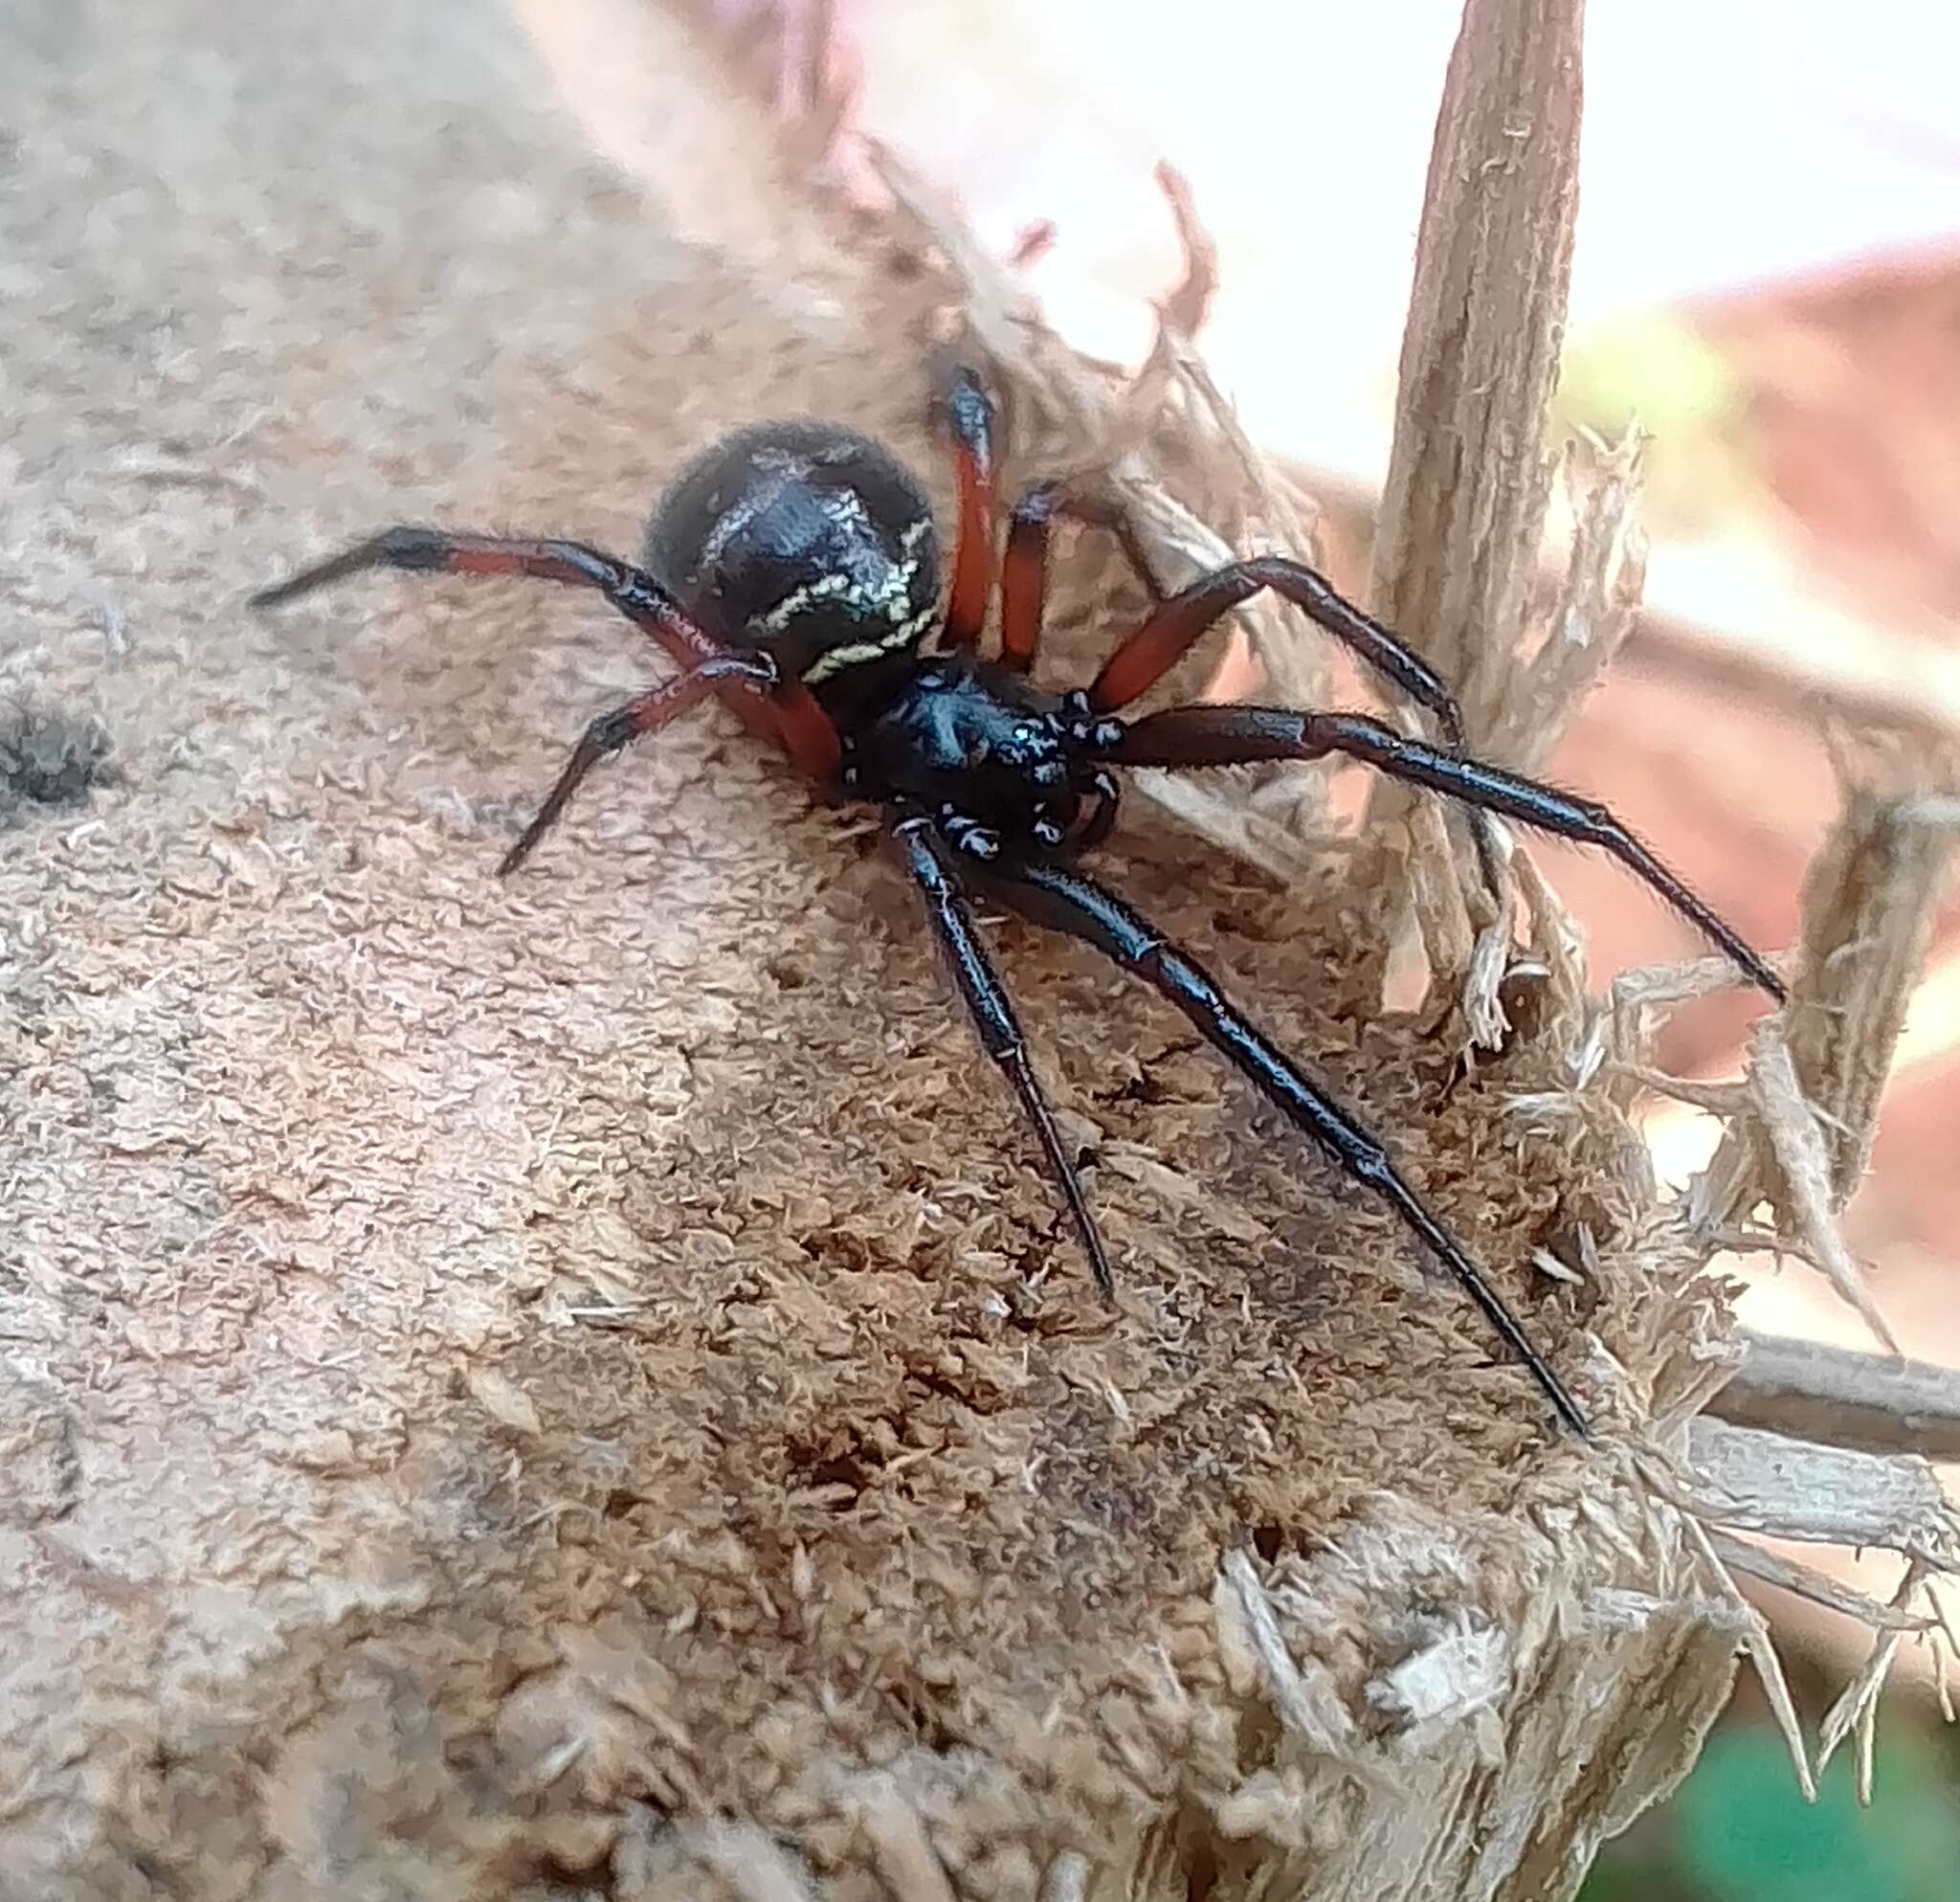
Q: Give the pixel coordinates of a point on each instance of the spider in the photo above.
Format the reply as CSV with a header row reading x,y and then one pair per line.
x,y
792,570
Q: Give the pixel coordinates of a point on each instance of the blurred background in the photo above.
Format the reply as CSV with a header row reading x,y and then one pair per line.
x,y
1767,276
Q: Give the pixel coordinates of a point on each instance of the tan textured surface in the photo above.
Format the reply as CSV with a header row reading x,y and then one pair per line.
x,y
485,1368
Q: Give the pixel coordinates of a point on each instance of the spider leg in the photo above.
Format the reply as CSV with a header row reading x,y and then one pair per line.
x,y
993,1014
968,415
1024,568
1177,624
610,731
1063,900
1232,735
790,715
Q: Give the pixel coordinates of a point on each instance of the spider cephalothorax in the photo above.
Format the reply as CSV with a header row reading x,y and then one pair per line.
x,y
792,570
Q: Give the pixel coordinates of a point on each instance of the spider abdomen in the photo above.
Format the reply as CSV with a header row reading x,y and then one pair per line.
x,y
808,542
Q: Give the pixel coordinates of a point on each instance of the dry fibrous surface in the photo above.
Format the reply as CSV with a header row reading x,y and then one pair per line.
x,y
572,1386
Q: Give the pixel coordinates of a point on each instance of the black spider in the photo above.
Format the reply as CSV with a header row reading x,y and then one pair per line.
x,y
793,571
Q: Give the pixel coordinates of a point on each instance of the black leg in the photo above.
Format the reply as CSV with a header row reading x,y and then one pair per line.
x,y
968,415
1065,900
610,731
993,1013
790,715
1024,568
1234,735
1177,624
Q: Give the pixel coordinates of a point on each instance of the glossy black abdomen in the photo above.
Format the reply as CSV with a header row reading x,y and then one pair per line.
x,y
808,541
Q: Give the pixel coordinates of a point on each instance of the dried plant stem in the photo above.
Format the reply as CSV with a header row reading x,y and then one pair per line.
x,y
1469,476
1817,1073
1866,1402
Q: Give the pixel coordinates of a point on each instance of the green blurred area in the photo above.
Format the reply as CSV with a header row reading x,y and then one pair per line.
x,y
1738,1830
1658,371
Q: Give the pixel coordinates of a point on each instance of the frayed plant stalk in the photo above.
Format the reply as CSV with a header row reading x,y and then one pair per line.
x,y
1809,1109
1819,1075
1462,513
1810,1390
1462,524
1462,516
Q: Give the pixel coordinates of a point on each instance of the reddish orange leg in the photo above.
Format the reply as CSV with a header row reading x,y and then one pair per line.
x,y
1176,626
646,713
789,715
968,418
1024,569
